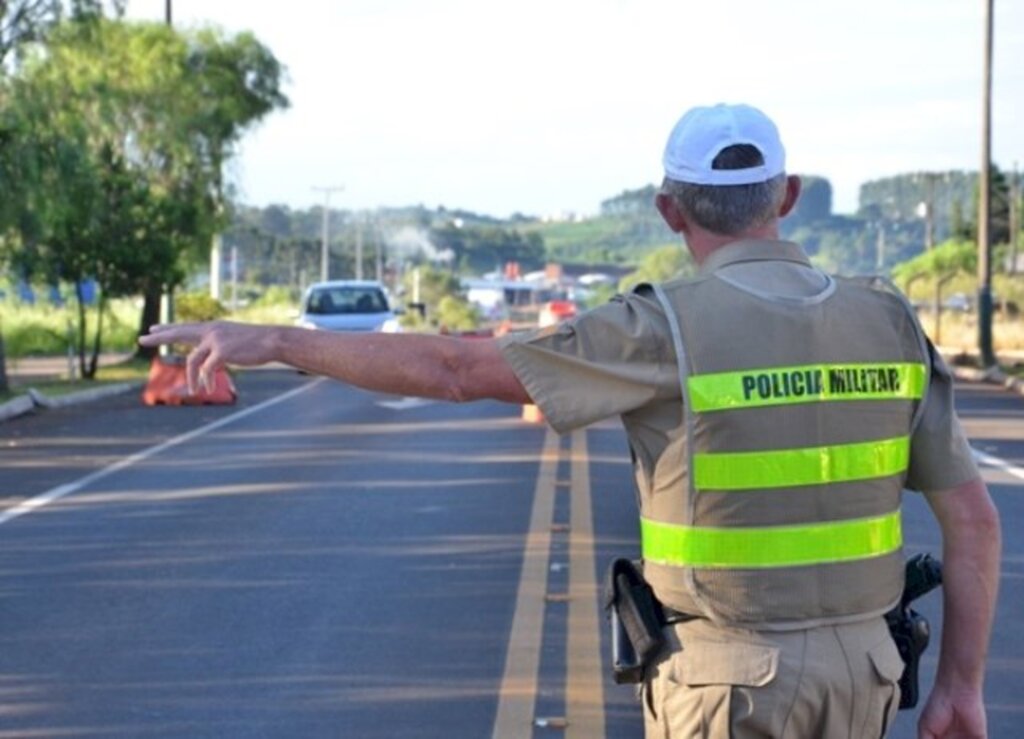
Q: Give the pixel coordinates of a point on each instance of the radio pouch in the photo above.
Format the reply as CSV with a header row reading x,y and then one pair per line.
x,y
633,613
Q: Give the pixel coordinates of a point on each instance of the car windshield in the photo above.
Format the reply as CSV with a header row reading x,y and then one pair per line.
x,y
346,299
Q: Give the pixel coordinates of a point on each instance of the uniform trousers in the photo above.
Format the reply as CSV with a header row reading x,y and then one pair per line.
x,y
829,682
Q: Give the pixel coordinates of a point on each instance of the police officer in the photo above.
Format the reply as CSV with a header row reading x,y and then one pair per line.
x,y
774,415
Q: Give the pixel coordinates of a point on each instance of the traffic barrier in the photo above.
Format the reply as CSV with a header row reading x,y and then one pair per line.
x,y
167,386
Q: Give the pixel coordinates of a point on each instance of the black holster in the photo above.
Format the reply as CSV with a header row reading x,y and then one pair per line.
x,y
635,621
909,629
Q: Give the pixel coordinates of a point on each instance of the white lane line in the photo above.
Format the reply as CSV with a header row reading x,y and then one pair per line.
x,y
38,501
1002,464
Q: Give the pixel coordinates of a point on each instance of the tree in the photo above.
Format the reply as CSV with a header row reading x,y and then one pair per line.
x,y
121,152
660,265
439,293
951,257
94,115
233,83
815,202
940,265
23,22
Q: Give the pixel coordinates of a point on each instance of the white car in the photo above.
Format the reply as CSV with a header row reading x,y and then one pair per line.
x,y
347,305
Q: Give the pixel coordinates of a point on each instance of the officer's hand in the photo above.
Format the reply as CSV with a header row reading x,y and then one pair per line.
x,y
214,345
953,714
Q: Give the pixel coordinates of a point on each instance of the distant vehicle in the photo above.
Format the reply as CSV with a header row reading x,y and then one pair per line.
x,y
347,305
958,302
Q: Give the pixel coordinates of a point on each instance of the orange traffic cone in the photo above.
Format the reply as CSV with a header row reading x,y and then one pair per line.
x,y
167,386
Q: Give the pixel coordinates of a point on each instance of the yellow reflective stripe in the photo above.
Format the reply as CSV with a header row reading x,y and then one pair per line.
x,y
794,467
775,546
806,384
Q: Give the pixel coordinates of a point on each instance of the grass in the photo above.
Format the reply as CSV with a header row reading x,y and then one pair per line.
x,y
42,331
960,331
131,370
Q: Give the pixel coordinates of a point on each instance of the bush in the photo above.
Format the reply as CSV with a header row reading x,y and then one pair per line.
x,y
198,307
30,338
456,314
277,295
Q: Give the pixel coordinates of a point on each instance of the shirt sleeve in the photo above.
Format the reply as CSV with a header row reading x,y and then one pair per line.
x,y
940,457
604,363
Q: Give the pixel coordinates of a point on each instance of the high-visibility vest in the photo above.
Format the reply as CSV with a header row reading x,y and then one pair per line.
x,y
799,415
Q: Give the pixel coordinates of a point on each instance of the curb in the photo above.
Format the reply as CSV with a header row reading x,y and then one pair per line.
x,y
16,407
34,399
990,376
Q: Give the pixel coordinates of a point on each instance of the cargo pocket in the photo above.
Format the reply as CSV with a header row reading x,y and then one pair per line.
x,y
709,686
885,698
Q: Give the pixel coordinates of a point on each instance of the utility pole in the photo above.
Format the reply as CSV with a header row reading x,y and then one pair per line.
x,y
1014,220
880,248
929,212
325,230
378,242
167,12
359,248
985,350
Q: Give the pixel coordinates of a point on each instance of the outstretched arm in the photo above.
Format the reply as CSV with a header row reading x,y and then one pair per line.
x,y
970,577
427,366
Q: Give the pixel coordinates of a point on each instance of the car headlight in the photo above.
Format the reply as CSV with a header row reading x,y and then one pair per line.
x,y
391,326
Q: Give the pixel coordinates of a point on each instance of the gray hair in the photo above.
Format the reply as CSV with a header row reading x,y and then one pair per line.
x,y
729,209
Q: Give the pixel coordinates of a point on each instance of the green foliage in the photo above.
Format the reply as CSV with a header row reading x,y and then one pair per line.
x,y
433,285
198,306
948,259
479,249
637,203
815,203
43,330
23,22
122,131
599,296
30,338
659,266
277,295
454,313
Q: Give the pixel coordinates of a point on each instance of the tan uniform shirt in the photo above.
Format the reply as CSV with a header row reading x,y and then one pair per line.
x,y
618,360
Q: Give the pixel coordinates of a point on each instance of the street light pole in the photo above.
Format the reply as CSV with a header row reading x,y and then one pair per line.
x,y
325,230
985,351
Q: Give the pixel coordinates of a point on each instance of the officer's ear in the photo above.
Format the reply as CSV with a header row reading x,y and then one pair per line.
x,y
670,212
793,187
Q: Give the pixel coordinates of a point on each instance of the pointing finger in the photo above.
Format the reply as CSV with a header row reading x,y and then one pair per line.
x,y
193,364
185,333
208,371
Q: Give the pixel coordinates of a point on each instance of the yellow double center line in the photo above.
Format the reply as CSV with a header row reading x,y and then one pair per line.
x,y
584,693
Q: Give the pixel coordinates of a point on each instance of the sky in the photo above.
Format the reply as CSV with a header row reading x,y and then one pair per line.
x,y
547,107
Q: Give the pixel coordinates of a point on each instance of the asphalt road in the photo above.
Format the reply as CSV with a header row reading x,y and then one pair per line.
x,y
322,562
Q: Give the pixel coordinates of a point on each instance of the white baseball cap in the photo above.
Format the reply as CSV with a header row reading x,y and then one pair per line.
x,y
702,133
